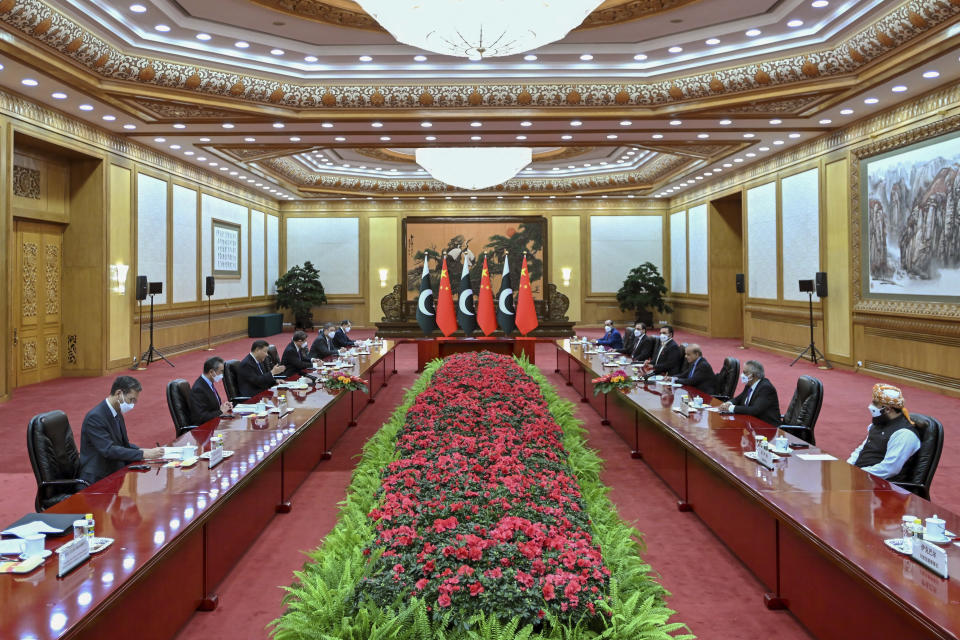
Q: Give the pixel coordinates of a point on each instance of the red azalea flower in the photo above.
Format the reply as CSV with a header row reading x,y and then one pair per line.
x,y
444,600
548,591
476,589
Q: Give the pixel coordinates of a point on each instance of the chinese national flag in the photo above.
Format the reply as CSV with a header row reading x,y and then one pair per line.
x,y
486,314
446,316
526,312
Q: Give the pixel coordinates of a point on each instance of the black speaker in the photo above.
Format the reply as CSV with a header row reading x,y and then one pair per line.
x,y
211,285
741,287
156,288
821,284
141,287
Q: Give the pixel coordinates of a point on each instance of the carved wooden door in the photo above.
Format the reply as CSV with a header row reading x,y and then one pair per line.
x,y
37,325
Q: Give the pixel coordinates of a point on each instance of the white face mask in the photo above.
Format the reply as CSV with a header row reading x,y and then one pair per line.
x,y
607,328
875,411
346,329
218,377
331,334
664,337
125,407
638,332
744,378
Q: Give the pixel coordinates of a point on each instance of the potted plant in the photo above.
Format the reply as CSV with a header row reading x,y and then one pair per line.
x,y
299,290
643,291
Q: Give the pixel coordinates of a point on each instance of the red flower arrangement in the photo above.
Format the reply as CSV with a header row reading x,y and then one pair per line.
x,y
481,511
340,380
616,380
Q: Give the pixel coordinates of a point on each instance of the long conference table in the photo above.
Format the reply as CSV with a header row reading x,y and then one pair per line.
x,y
178,532
812,531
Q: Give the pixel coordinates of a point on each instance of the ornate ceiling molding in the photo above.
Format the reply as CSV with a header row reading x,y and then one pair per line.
x,y
396,155
36,20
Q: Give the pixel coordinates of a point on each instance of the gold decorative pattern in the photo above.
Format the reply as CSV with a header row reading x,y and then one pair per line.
x,y
26,182
869,44
29,354
72,349
785,106
52,355
52,276
172,110
29,254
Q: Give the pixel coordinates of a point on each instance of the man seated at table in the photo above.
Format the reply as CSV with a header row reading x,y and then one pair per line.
x,y
340,339
697,372
205,400
666,360
104,446
323,347
892,438
611,338
296,358
252,375
758,398
641,345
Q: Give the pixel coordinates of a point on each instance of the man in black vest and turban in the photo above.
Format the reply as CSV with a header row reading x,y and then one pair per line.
x,y
891,438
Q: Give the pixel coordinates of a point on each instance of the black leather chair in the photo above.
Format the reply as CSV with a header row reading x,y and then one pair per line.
x,y
178,401
727,378
273,357
230,384
804,409
54,458
917,474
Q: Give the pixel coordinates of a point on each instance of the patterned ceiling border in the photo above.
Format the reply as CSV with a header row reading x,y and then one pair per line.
x,y
37,20
347,16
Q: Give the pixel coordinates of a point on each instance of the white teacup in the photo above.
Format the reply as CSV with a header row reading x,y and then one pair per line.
x,y
935,527
33,545
189,451
780,443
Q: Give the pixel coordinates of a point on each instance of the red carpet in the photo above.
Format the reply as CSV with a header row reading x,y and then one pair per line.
x,y
712,592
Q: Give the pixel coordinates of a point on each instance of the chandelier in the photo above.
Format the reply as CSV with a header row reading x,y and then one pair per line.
x,y
474,167
478,29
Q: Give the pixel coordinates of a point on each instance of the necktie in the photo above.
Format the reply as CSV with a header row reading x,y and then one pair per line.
x,y
749,395
694,367
636,347
259,368
216,393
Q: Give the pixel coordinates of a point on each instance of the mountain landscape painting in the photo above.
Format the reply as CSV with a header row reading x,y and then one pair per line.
x,y
912,200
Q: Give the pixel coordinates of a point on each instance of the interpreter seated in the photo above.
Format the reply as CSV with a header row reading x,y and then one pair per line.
x,y
611,337
759,396
340,339
296,358
641,345
323,346
892,438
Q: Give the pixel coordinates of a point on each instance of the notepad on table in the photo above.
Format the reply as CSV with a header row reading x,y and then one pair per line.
x,y
816,456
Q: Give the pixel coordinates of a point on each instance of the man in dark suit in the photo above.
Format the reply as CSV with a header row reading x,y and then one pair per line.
x,y
295,356
611,338
252,375
629,339
759,396
668,359
642,345
206,402
340,339
697,372
323,347
104,446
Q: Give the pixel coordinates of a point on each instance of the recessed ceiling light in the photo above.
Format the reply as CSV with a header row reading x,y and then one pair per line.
x,y
846,112
738,159
476,138
725,123
179,125
420,58
213,164
777,143
159,139
426,125
640,57
476,124
227,125
430,138
625,123
529,57
326,125
109,118
764,148
294,139
188,153
556,169
871,101
575,123
366,59
203,36
175,147
29,82
931,74
898,89
675,49
240,44
713,41
277,52
751,155
521,137
611,136
819,4
566,137
657,136
201,158
826,121
385,138
249,139
340,139
752,33
376,125
138,8
86,107
794,135
586,57
727,165
749,135
676,123
278,125
310,58
130,126
162,28
204,139
793,24
526,123
776,121
703,135
59,95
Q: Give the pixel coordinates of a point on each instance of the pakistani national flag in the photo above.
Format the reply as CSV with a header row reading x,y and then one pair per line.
x,y
505,314
426,305
466,310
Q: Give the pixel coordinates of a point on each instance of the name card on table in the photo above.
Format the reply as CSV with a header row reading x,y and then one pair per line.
x,y
931,556
72,554
764,455
216,456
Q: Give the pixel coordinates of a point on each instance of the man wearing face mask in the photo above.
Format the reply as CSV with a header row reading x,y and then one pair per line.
x,y
340,339
668,358
611,337
641,346
104,446
295,357
206,402
323,347
891,437
758,398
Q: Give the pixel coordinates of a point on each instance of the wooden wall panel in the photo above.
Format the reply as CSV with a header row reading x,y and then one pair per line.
x,y
565,243
121,293
785,329
40,187
385,236
921,352
691,313
837,262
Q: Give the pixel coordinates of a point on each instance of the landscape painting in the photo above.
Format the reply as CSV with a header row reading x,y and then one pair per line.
x,y
496,238
911,204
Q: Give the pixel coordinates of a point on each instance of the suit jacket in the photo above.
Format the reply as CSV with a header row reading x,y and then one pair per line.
x,y
322,347
667,359
702,378
104,446
764,403
253,377
642,349
204,402
295,360
612,340
341,340
628,343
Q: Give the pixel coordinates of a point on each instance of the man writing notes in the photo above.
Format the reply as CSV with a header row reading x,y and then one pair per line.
x,y
252,374
891,437
104,446
323,347
611,338
758,398
295,356
641,346
340,339
668,358
697,373
206,401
